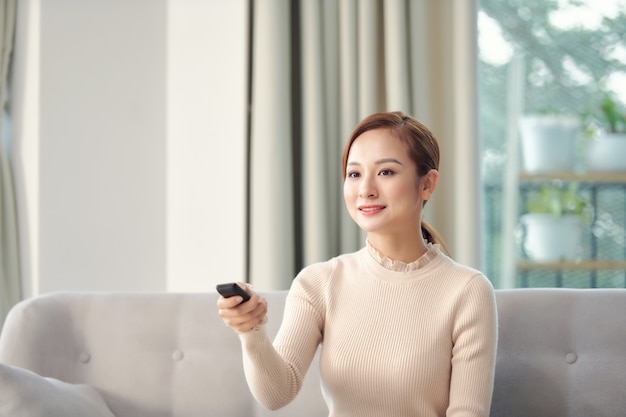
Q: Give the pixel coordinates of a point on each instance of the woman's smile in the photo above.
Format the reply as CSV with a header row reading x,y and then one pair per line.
x,y
369,210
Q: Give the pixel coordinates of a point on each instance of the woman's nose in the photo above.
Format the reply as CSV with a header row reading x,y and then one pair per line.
x,y
367,189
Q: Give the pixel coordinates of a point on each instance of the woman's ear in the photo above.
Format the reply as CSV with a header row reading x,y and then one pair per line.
x,y
428,183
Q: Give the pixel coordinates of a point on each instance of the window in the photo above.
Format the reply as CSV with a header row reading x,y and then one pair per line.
x,y
558,59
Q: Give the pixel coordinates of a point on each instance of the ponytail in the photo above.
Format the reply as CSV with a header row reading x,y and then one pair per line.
x,y
432,236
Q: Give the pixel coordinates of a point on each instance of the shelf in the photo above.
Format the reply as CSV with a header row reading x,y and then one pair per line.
x,y
618,177
606,192
573,265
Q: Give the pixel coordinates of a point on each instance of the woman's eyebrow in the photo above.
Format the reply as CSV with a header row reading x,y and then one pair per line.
x,y
378,162
387,160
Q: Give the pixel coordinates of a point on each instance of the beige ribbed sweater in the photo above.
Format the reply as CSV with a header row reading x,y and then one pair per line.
x,y
397,339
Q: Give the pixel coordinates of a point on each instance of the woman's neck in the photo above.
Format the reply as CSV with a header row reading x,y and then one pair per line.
x,y
399,248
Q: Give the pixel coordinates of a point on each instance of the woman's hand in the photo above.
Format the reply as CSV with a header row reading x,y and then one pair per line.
x,y
242,317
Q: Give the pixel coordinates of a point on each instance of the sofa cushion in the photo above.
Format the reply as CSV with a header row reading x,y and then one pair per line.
x,y
27,394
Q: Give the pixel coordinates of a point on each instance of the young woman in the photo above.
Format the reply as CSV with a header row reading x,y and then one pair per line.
x,y
404,330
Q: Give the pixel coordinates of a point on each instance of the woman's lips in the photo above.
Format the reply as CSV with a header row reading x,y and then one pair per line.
x,y
369,210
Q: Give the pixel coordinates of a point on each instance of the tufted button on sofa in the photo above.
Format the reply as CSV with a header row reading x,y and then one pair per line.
x,y
561,353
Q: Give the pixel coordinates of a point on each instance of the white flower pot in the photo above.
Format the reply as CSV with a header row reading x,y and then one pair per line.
x,y
606,153
548,143
551,239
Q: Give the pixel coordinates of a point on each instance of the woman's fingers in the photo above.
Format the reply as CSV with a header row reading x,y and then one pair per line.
x,y
242,317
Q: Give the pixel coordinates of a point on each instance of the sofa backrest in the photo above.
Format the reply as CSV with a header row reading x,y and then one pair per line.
x,y
561,352
148,354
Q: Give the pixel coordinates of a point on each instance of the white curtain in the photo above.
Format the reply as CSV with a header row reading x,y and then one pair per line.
x,y
10,292
318,68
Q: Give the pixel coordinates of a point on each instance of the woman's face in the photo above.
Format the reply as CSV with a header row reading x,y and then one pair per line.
x,y
382,191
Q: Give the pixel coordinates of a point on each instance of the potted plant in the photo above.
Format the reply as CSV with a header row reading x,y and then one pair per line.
x,y
553,223
548,142
607,150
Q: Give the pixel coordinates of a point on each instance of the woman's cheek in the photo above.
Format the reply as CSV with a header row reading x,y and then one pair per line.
x,y
349,196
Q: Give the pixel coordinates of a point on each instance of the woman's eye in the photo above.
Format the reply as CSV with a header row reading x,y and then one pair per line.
x,y
353,174
386,172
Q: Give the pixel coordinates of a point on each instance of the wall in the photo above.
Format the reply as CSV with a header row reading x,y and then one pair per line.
x,y
129,133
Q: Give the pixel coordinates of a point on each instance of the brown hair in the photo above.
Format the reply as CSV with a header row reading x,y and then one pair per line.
x,y
421,145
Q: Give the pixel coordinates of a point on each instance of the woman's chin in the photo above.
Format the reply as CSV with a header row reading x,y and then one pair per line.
x,y
370,227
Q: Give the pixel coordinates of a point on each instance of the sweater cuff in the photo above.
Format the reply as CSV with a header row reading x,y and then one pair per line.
x,y
255,341
256,328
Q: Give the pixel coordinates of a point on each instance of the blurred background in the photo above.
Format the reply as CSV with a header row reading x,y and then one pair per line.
x,y
169,145
547,72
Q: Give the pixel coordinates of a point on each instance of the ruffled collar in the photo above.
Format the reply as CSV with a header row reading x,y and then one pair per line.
x,y
399,266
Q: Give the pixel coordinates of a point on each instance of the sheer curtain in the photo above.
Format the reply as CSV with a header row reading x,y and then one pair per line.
x,y
317,68
10,292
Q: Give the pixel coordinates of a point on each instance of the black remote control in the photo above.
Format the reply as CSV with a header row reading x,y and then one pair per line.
x,y
231,289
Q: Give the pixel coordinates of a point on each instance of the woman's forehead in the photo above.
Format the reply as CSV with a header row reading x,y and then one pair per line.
x,y
378,143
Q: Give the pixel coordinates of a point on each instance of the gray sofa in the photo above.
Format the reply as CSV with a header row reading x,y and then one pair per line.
x,y
562,352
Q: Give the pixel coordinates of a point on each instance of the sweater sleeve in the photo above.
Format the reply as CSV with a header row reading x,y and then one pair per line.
x,y
275,371
474,351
